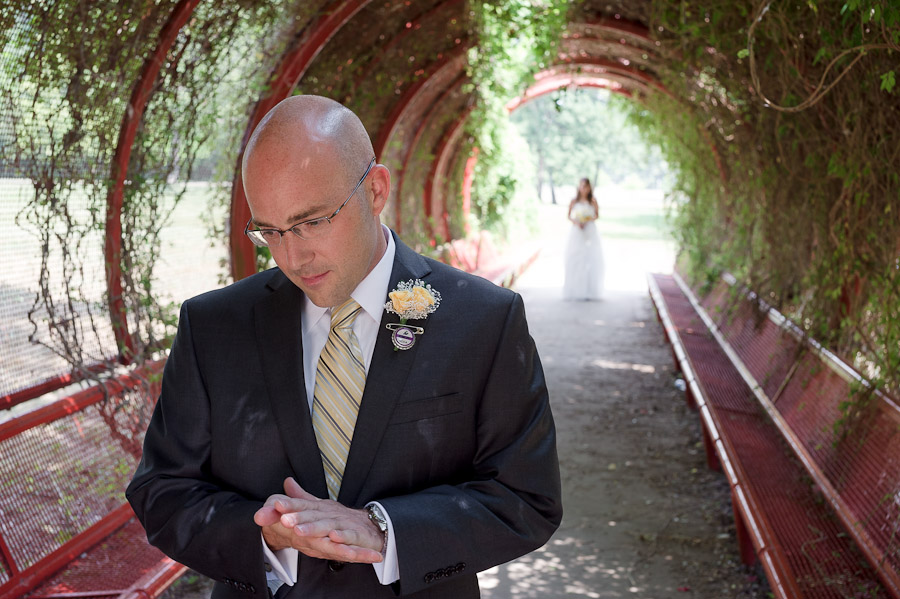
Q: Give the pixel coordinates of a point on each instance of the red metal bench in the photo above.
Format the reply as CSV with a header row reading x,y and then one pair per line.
x,y
506,270
820,510
478,255
65,528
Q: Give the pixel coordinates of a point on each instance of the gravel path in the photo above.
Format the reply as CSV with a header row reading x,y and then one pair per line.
x,y
644,517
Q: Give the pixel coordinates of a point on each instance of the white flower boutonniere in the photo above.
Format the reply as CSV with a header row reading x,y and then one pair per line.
x,y
411,300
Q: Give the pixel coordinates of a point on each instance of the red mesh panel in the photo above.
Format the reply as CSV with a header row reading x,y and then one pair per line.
x,y
683,315
27,362
713,367
825,561
718,297
127,546
62,477
766,349
864,467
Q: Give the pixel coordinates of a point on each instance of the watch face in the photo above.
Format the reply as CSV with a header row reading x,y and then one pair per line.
x,y
376,517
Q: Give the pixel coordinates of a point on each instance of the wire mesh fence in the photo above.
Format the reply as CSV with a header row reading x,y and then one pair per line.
x,y
67,71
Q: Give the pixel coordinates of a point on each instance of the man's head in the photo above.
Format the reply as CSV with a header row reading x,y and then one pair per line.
x,y
301,162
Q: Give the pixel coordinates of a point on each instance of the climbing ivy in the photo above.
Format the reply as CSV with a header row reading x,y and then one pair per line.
x,y
781,125
515,40
74,64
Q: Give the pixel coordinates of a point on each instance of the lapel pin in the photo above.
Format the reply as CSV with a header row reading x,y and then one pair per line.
x,y
411,300
403,336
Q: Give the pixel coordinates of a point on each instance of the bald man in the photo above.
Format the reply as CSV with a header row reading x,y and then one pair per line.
x,y
451,467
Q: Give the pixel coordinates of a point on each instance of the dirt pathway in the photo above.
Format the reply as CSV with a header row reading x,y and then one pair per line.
x,y
644,517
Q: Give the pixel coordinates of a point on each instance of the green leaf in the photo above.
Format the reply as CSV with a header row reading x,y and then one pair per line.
x,y
822,53
888,81
743,53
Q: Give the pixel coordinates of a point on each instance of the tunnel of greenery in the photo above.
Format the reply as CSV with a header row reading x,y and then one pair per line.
x,y
779,120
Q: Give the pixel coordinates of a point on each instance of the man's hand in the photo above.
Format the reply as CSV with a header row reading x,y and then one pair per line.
x,y
319,528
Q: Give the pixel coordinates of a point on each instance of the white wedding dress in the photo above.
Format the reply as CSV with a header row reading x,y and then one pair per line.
x,y
584,264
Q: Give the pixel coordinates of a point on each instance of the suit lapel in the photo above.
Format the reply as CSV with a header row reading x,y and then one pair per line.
x,y
386,379
279,338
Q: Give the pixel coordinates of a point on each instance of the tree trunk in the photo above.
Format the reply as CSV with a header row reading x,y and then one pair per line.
x,y
552,186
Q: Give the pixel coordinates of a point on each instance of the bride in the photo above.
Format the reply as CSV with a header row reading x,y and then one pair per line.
x,y
584,256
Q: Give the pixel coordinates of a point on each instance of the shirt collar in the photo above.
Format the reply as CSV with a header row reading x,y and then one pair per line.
x,y
371,292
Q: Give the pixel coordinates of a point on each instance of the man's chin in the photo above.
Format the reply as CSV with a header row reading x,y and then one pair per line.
x,y
324,296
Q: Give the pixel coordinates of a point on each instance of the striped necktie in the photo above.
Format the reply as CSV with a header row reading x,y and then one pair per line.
x,y
340,380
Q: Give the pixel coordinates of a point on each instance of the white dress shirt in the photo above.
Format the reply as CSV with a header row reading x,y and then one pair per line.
x,y
370,294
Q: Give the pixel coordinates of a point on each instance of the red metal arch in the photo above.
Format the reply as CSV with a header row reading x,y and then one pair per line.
x,y
445,60
131,120
605,65
412,26
562,80
293,66
420,131
556,79
441,158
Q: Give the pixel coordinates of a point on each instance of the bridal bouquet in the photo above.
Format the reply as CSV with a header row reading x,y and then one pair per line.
x,y
582,212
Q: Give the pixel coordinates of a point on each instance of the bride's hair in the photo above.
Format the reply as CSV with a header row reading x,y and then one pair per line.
x,y
590,192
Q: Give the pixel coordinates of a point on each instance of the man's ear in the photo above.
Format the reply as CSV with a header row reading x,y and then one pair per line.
x,y
380,182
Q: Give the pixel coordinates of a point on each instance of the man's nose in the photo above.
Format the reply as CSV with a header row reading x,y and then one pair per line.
x,y
296,251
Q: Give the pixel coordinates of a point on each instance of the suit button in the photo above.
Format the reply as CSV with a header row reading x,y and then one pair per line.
x,y
335,566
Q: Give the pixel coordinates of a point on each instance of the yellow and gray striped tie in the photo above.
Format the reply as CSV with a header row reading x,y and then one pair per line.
x,y
340,380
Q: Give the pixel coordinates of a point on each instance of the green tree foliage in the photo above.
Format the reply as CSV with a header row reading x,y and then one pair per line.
x,y
586,133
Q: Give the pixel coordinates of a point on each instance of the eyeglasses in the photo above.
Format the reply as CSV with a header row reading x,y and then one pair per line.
x,y
308,229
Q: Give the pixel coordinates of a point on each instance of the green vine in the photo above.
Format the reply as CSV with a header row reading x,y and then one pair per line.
x,y
516,39
781,128
74,65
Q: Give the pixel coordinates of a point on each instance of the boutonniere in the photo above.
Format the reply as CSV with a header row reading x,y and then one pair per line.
x,y
411,300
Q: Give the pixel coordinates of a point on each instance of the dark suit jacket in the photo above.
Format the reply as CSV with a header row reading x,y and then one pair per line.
x,y
454,437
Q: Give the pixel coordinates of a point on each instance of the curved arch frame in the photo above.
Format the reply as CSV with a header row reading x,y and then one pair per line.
x,y
442,157
420,131
387,130
413,26
290,70
131,120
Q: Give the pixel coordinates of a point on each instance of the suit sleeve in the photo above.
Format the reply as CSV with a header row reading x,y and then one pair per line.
x,y
512,503
186,514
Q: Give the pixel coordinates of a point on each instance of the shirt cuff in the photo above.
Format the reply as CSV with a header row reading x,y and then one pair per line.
x,y
388,571
283,564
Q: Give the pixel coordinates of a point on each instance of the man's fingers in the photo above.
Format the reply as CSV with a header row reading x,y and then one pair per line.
x,y
325,548
316,528
293,489
266,516
357,555
348,537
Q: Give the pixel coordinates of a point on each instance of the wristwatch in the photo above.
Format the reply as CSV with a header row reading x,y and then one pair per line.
x,y
378,519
